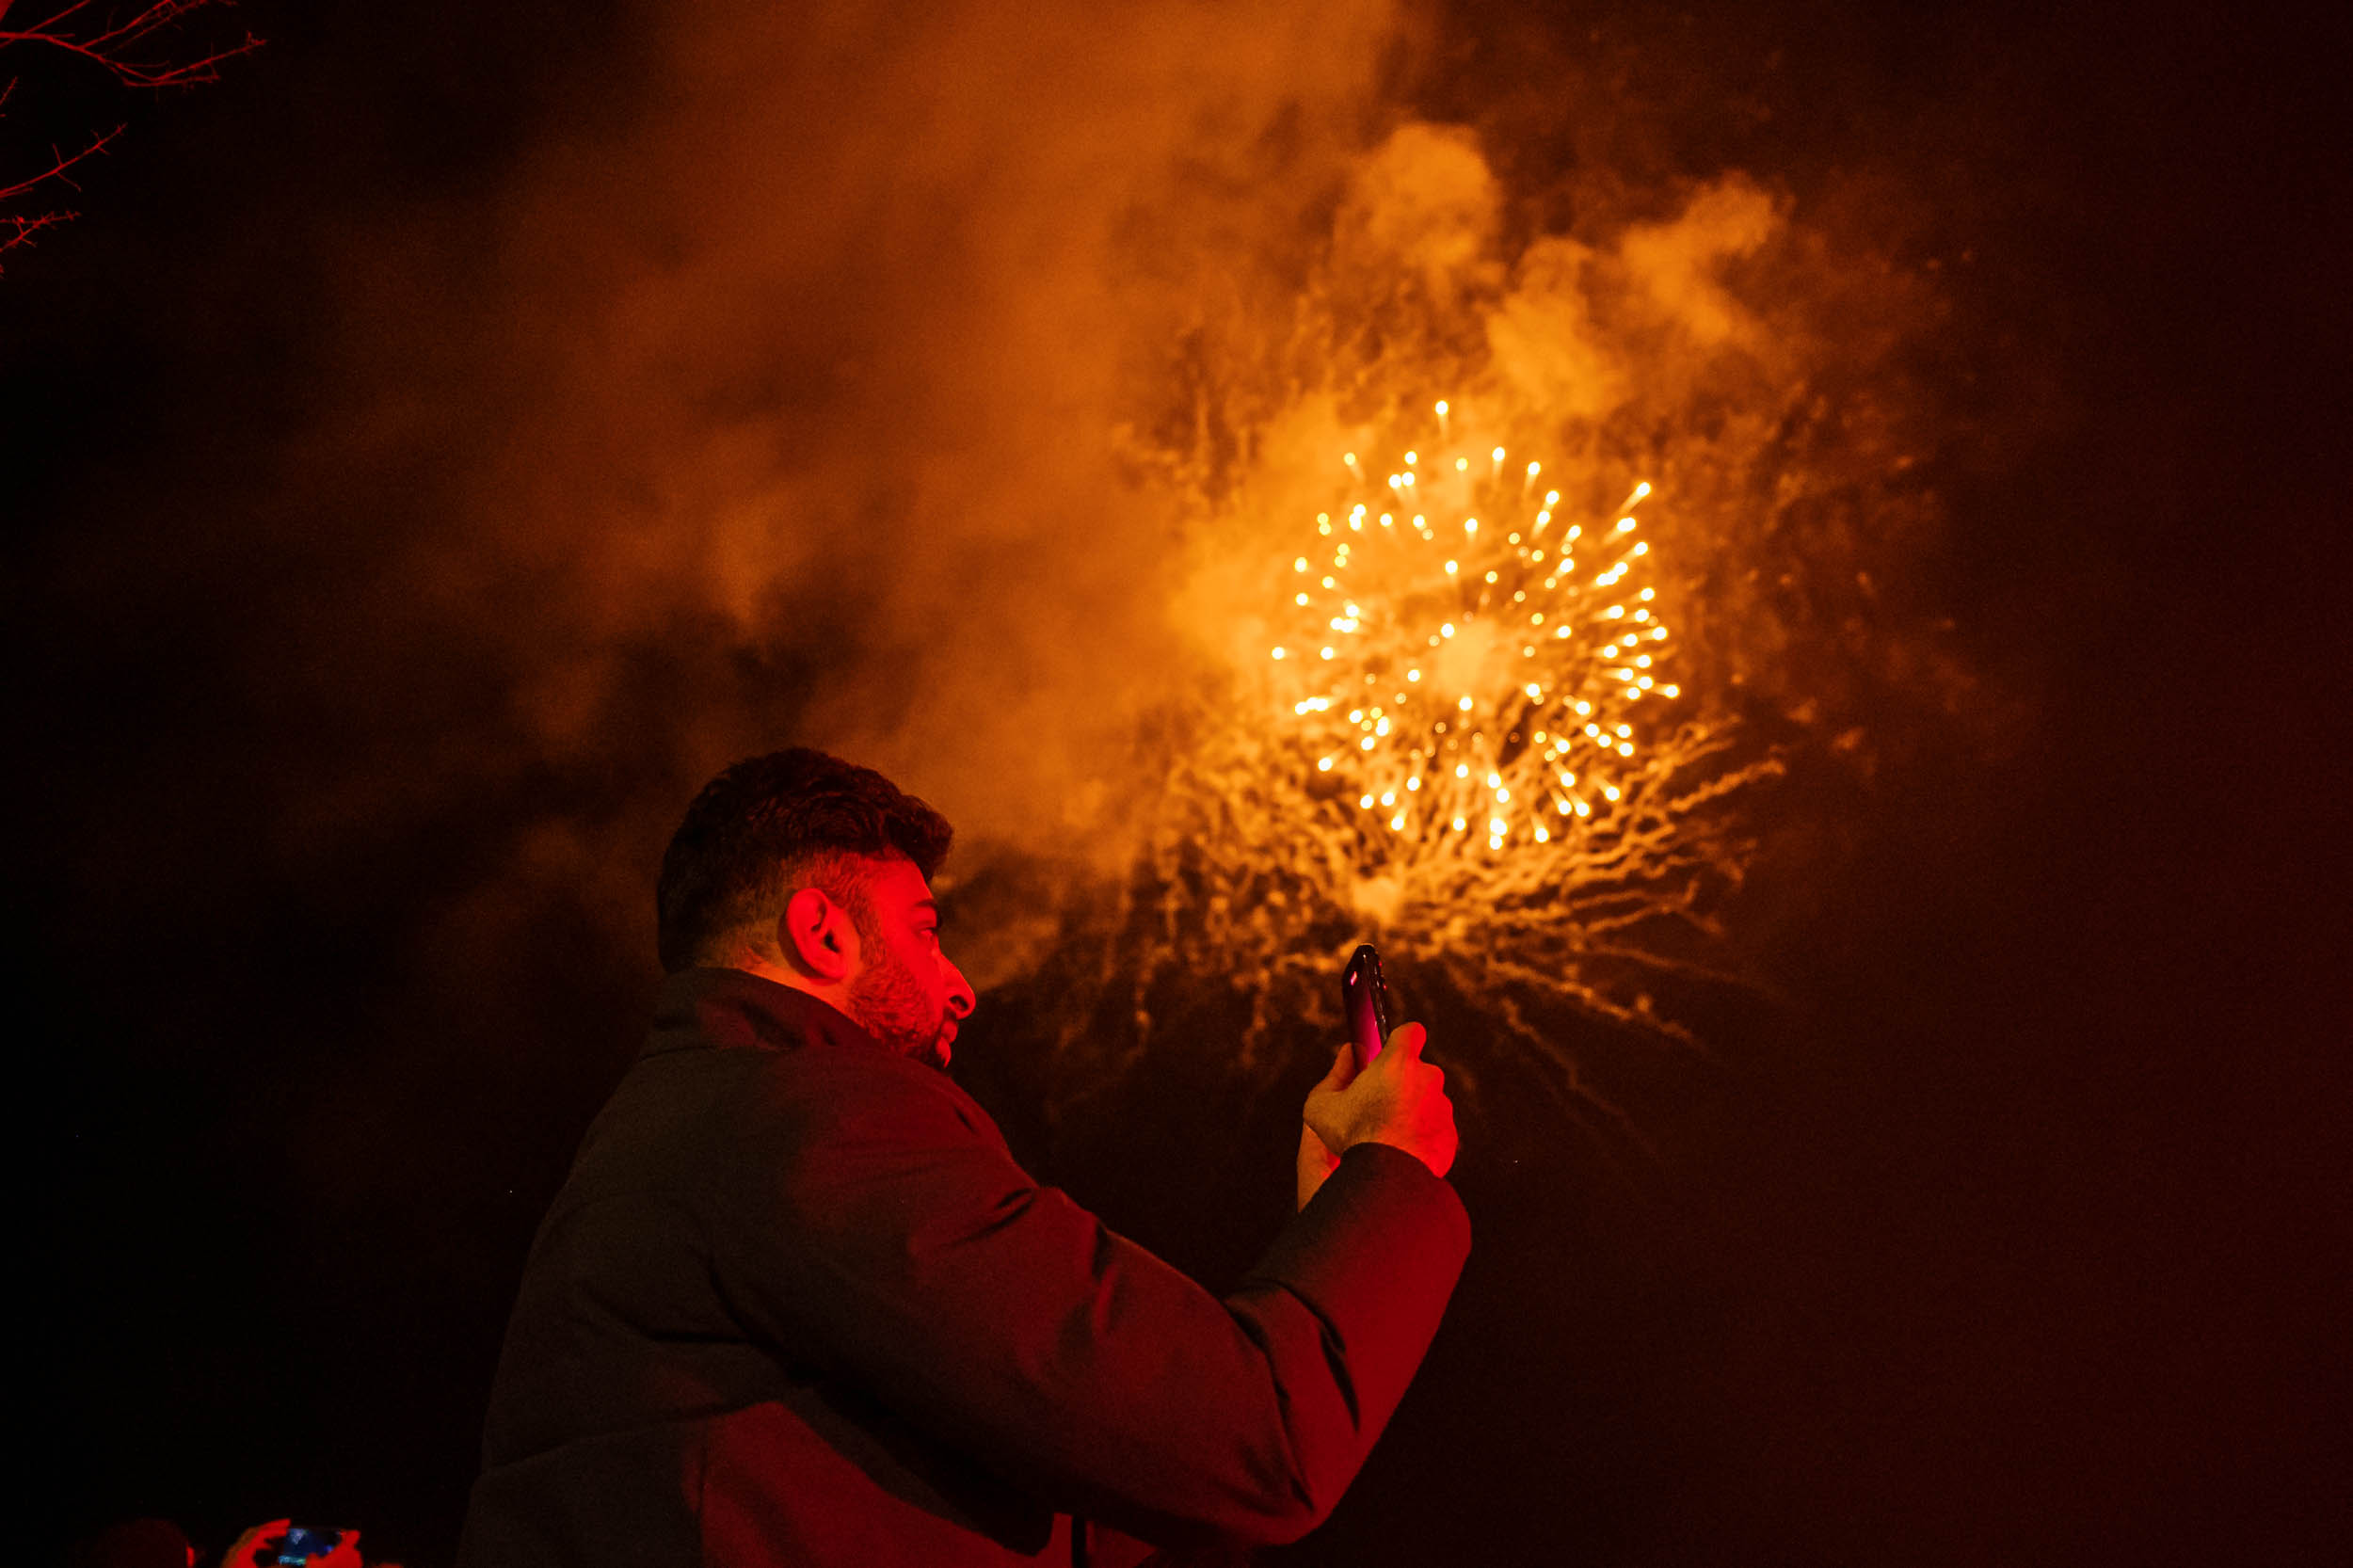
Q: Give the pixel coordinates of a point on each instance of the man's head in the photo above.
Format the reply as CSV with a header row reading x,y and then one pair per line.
x,y
814,872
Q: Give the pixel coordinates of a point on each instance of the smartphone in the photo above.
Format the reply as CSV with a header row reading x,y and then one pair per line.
x,y
1365,1002
300,1545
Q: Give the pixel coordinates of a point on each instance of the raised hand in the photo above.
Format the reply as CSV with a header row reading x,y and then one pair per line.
x,y
1399,1100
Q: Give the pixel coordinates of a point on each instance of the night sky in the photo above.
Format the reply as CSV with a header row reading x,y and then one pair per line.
x,y
395,446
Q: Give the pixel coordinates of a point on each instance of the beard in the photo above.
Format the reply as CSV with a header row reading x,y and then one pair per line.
x,y
892,1005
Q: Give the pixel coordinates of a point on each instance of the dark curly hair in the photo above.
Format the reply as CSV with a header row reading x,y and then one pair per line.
x,y
771,824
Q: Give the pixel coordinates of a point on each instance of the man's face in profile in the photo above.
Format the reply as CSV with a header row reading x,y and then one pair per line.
x,y
906,992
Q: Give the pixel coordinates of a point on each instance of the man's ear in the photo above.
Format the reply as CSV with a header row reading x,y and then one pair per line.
x,y
816,933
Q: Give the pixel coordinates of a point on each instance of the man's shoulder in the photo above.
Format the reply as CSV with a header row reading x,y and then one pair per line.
x,y
823,1095
783,1092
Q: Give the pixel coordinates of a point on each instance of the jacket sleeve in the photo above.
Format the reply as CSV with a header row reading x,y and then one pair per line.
x,y
878,1229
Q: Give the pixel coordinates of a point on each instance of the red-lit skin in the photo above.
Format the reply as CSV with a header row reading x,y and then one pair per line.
x,y
909,995
903,989
1399,1100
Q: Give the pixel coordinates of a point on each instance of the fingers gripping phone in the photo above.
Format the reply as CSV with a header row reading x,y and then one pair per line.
x,y
1365,1002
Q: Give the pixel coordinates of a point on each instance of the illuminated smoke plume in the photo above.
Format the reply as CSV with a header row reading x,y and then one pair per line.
x,y
958,396
1476,690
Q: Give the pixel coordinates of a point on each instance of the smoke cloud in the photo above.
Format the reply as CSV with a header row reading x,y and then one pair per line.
x,y
939,389
821,351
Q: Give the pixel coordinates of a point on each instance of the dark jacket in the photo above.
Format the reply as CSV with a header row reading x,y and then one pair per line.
x,y
797,1304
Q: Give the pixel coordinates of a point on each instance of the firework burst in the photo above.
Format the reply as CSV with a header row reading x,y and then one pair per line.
x,y
1468,664
1465,738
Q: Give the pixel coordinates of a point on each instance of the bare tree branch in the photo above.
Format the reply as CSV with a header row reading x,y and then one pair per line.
x,y
59,163
116,49
147,51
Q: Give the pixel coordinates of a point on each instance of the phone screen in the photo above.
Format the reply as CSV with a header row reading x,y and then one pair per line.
x,y
300,1545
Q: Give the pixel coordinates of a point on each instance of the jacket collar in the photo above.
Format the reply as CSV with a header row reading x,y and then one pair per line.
x,y
732,1010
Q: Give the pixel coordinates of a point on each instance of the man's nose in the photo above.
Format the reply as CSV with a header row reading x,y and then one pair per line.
x,y
960,997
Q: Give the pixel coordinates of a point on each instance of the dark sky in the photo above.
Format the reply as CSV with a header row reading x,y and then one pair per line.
x,y
2010,1225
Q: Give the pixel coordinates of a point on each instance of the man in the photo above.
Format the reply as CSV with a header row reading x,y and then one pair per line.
x,y
797,1304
